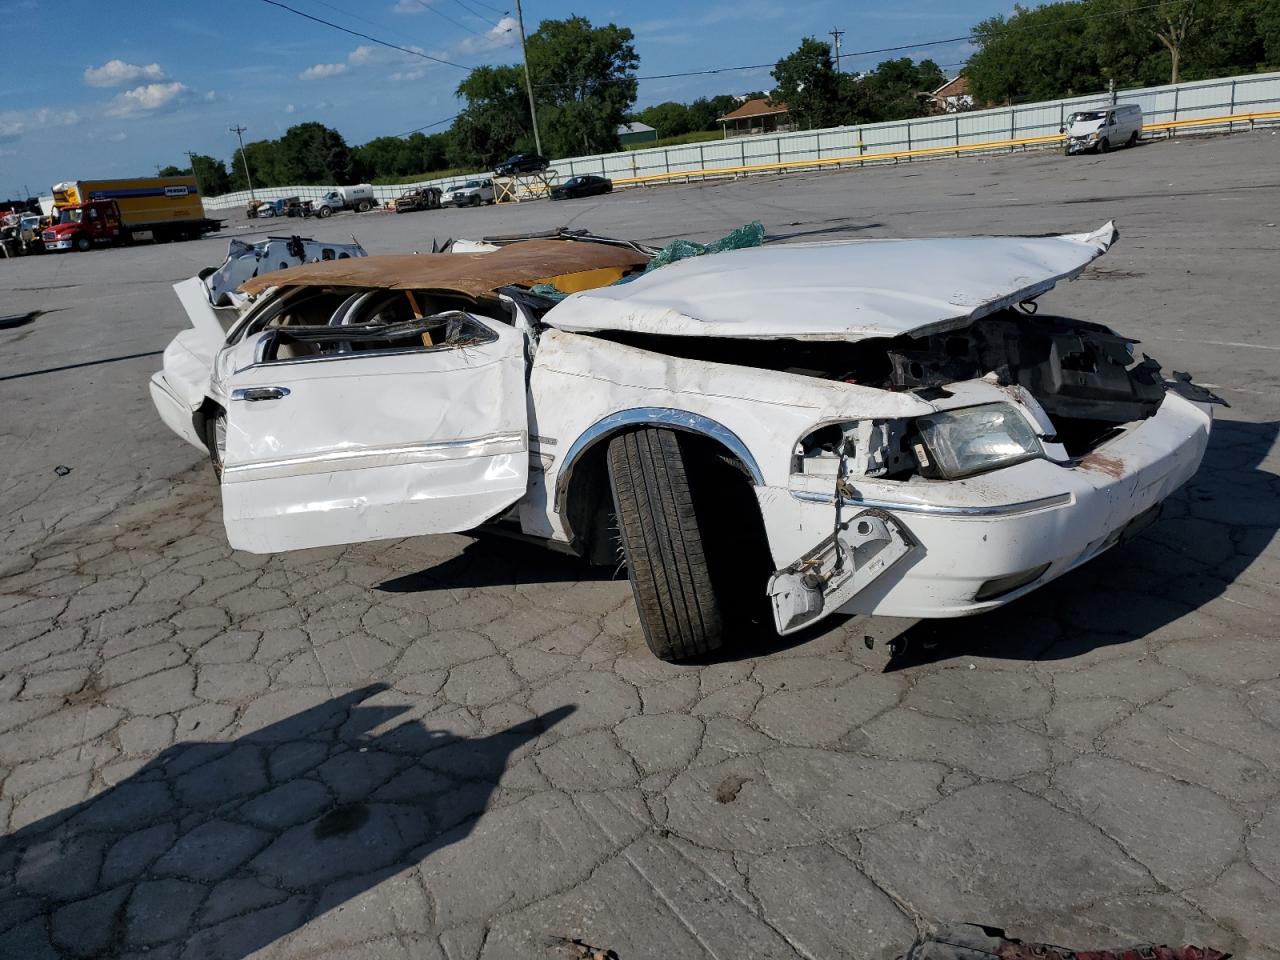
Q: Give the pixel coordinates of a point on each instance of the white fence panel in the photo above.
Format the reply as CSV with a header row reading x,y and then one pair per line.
x,y
1185,101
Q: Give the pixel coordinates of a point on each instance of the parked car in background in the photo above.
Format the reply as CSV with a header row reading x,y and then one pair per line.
x,y
1100,130
588,185
425,198
521,163
358,198
473,193
773,434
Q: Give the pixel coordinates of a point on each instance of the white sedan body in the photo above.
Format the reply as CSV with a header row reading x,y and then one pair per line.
x,y
491,424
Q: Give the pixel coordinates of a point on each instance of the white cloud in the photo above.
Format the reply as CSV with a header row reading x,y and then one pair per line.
x,y
409,6
289,108
321,71
147,98
363,54
15,123
118,137
115,73
501,34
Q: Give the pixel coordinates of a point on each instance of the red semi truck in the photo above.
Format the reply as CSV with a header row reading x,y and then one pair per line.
x,y
100,213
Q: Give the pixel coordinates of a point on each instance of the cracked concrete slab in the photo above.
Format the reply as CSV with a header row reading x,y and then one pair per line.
x,y
458,748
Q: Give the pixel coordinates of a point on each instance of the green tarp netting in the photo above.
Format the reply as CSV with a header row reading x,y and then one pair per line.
x,y
748,235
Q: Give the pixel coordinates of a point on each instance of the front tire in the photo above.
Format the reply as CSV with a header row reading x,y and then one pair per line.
x,y
666,562
215,438
1104,145
324,213
83,245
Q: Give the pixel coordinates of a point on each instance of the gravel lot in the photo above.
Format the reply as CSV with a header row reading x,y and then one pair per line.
x,y
459,748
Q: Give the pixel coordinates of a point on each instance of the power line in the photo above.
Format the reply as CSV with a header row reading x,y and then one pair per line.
x,y
365,36
476,13
429,126
456,23
354,16
489,6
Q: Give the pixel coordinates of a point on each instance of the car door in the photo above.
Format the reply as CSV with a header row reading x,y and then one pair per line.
x,y
345,434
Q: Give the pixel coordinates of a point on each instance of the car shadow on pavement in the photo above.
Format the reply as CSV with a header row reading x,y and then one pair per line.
x,y
493,560
216,850
1212,530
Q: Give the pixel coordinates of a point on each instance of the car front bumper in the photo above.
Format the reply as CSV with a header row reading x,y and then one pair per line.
x,y
1081,144
1035,516
57,244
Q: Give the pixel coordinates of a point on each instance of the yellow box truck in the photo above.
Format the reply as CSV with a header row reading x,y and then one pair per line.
x,y
91,213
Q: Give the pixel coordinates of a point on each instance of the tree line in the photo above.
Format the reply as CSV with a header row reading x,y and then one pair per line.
x,y
1072,48
585,86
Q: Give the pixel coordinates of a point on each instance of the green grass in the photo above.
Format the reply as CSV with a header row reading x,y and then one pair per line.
x,y
698,136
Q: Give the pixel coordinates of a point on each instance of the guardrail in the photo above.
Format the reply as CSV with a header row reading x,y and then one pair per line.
x,y
923,152
1173,108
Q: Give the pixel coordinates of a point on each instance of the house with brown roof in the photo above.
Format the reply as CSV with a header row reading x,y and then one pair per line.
x,y
952,97
756,117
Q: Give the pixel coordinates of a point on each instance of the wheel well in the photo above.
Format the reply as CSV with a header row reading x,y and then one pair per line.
x,y
719,480
203,414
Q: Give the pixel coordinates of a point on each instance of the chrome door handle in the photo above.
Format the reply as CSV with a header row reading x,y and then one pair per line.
x,y
254,394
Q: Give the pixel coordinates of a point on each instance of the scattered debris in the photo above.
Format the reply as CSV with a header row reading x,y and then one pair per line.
x,y
61,470
583,950
729,788
971,941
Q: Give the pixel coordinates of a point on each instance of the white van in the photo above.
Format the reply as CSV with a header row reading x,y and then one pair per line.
x,y
1114,126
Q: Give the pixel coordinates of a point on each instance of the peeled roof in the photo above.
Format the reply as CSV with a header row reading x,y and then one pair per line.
x,y
473,274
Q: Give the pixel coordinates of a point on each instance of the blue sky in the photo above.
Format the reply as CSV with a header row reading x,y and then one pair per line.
x,y
115,87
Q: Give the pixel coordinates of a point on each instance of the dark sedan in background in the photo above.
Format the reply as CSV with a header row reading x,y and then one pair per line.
x,y
584,186
521,163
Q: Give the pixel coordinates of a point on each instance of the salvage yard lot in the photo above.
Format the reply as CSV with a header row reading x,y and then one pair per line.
x,y
460,747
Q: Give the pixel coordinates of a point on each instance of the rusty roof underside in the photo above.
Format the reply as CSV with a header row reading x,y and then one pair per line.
x,y
474,275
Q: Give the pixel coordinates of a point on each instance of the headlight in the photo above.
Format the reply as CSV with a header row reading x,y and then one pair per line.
x,y
1095,135
960,443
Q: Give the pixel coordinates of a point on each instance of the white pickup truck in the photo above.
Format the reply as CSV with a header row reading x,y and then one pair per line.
x,y
769,434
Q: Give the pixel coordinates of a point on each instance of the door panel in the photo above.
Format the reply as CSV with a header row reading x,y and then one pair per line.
x,y
393,440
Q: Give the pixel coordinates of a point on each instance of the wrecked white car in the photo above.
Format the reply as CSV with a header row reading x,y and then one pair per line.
x,y
811,428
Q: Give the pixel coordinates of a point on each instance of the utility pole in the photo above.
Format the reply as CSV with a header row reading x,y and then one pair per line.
x,y
157,169
528,84
194,176
836,35
239,132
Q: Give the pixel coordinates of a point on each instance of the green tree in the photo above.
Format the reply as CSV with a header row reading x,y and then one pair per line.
x,y
262,157
1072,48
670,119
172,171
495,121
584,84
313,153
893,91
808,84
211,174
1035,54
705,112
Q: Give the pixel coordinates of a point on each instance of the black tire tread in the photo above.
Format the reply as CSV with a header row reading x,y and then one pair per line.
x,y
666,561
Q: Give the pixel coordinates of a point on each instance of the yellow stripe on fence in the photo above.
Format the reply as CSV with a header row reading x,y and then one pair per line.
x,y
926,151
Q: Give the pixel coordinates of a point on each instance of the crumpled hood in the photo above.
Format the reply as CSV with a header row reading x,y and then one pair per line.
x,y
844,290
1082,128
